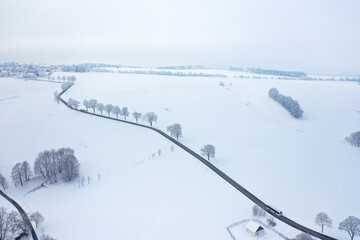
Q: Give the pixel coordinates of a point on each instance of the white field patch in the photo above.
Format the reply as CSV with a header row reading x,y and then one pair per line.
x,y
300,166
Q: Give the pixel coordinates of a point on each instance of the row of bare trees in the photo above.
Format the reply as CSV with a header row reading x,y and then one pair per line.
x,y
64,78
93,104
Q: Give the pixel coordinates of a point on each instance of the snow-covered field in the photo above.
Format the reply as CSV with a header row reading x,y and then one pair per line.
x,y
300,166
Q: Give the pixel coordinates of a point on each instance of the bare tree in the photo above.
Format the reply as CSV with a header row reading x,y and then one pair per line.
x,y
208,151
258,211
10,224
117,111
3,182
137,116
86,104
109,108
351,225
271,221
46,165
170,129
26,170
303,236
100,107
17,175
17,224
56,97
37,218
150,117
322,219
71,168
175,130
92,104
73,103
125,112
5,225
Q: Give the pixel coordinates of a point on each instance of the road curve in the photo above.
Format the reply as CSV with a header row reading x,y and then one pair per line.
x,y
22,213
221,174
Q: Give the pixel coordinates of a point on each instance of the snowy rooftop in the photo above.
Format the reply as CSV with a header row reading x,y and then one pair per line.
x,y
254,227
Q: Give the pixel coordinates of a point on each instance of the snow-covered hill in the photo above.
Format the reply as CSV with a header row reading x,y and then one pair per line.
x,y
301,166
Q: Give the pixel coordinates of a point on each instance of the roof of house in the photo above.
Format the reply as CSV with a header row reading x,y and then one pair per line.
x,y
254,227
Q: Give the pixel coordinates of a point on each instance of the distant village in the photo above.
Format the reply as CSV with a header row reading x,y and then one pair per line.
x,y
13,69
35,71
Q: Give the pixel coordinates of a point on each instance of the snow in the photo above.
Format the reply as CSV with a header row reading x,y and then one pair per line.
x,y
300,166
253,226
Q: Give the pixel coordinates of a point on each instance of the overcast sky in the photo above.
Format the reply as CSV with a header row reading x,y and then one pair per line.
x,y
316,36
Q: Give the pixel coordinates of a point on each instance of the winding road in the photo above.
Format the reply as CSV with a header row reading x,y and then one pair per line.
x,y
217,171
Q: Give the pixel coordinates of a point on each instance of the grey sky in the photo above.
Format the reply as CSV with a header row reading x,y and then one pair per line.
x,y
316,36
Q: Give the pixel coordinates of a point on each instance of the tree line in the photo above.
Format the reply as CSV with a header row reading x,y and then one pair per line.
x,y
291,105
93,104
52,165
175,130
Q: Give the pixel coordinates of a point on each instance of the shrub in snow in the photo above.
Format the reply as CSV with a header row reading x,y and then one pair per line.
x,y
16,175
291,105
354,139
303,236
271,221
258,211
